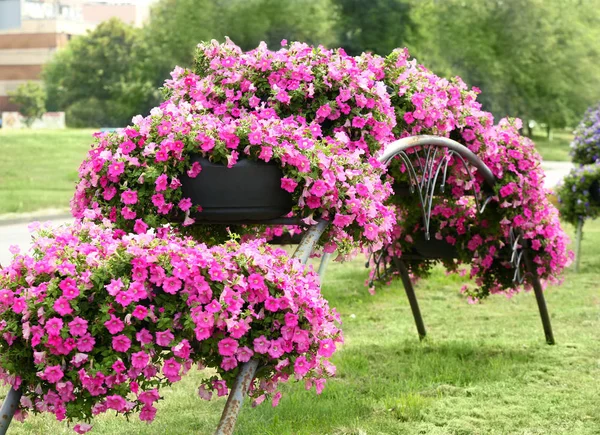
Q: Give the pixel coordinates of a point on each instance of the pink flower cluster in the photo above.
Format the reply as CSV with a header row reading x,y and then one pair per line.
x,y
94,320
137,186
345,95
428,104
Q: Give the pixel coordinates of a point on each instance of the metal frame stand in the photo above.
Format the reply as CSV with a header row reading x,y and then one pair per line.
x,y
539,296
425,176
535,282
412,297
9,407
248,370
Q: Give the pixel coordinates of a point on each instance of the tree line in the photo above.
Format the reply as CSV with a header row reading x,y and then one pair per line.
x,y
535,59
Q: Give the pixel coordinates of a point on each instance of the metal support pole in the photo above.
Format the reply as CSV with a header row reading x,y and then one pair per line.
x,y
539,296
412,297
9,407
309,240
578,244
246,375
236,398
323,266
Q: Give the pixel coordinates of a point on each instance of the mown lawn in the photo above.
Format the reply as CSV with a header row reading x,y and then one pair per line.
x,y
484,369
557,149
38,169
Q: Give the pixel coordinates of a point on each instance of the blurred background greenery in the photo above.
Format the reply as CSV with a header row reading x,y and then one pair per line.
x,y
535,59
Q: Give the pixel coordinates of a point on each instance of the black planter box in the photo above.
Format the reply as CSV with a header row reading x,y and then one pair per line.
x,y
432,249
250,191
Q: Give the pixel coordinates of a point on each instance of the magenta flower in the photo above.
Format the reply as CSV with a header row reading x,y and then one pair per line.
x,y
228,347
140,227
116,402
171,285
53,374
140,312
62,306
86,343
301,366
326,348
82,428
276,348
129,197
53,326
78,326
116,169
229,363
164,338
288,184
140,360
213,307
261,344
244,354
114,324
19,305
319,188
121,343
171,370
148,413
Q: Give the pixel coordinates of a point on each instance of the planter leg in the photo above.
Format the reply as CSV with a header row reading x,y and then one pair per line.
x,y
246,375
578,245
9,407
236,398
539,296
323,266
412,298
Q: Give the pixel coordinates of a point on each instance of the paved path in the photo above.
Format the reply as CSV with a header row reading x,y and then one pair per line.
x,y
555,172
18,234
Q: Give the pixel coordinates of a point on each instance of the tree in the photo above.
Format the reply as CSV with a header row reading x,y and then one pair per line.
x,y
31,99
377,26
177,26
532,58
106,66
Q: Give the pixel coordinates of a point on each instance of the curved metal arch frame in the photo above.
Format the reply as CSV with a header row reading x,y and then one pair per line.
x,y
433,164
430,166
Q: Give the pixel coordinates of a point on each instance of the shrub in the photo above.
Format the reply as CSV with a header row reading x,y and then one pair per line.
x,y
31,99
87,113
579,194
585,148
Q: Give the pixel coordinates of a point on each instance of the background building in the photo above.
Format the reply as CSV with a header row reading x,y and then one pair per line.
x,y
32,31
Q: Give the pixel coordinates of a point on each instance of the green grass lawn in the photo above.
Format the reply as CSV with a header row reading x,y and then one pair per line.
x,y
558,148
38,169
484,369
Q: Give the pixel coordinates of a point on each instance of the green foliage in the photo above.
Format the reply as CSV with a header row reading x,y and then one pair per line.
x,y
177,26
31,99
105,67
532,58
377,26
579,194
90,112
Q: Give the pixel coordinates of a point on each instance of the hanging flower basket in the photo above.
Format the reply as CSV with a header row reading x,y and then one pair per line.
x,y
122,317
248,191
